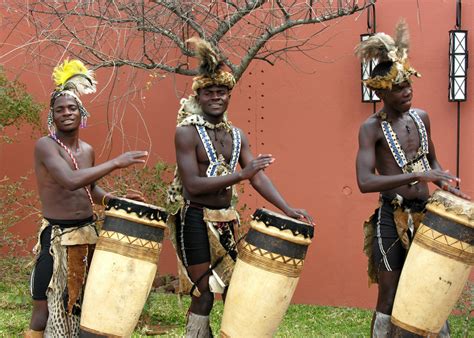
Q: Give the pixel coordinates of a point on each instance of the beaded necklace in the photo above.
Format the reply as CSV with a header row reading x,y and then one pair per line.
x,y
74,162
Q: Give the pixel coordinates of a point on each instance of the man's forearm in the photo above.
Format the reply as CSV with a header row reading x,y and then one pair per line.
x,y
378,183
206,185
267,190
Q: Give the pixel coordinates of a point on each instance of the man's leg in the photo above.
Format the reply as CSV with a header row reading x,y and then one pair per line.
x,y
388,282
198,315
201,305
40,279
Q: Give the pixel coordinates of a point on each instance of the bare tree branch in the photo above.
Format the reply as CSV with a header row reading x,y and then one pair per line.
x,y
152,34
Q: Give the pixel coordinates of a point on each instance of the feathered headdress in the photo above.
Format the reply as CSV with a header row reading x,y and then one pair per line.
x,y
74,79
382,47
210,67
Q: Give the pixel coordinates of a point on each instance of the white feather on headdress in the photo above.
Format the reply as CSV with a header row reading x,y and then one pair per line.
x,y
383,47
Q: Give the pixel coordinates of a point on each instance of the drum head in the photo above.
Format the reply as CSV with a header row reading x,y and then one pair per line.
x,y
452,206
283,222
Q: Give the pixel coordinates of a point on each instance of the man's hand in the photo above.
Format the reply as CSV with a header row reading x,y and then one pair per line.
x,y
455,191
257,164
300,214
135,195
436,175
129,158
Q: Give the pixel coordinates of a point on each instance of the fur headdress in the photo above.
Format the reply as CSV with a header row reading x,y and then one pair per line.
x,y
383,47
71,78
210,67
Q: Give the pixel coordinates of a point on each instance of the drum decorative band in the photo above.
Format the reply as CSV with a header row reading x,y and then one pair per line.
x,y
129,246
136,212
269,261
445,245
132,229
276,244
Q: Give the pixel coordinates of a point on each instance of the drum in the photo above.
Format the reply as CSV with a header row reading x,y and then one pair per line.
x,y
269,264
437,266
122,269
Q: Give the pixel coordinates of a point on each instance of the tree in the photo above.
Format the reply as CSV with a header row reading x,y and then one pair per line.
x,y
17,107
152,34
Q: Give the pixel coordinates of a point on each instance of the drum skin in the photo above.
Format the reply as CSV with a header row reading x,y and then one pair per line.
x,y
266,274
122,269
437,266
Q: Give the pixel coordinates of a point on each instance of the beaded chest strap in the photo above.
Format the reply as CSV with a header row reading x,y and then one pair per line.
x,y
217,165
419,162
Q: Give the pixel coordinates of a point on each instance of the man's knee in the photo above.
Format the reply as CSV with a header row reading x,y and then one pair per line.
x,y
202,305
206,298
39,316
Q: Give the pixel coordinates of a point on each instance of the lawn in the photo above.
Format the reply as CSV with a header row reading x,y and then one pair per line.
x,y
167,311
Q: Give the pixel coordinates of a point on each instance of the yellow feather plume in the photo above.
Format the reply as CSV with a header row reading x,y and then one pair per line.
x,y
73,75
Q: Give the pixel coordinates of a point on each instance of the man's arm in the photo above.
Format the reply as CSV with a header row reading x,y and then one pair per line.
x,y
186,158
369,181
46,152
264,186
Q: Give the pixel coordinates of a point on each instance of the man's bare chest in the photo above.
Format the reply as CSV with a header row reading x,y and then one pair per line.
x,y
78,157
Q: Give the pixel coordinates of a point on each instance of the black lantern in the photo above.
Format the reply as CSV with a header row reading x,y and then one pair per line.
x,y
366,67
458,63
458,56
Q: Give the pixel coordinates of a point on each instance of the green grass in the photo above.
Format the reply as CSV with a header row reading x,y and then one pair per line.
x,y
168,310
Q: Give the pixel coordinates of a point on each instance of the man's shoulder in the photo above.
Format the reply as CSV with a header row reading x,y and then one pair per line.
x,y
420,112
43,142
186,129
237,129
86,146
186,133
371,122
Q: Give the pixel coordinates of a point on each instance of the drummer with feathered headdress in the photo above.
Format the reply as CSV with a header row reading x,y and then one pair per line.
x,y
66,179
396,158
208,149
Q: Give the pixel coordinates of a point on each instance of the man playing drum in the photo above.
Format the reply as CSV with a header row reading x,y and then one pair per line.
x,y
208,149
66,176
397,158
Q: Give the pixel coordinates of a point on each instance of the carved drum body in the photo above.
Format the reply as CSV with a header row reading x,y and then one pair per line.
x,y
437,266
123,268
269,264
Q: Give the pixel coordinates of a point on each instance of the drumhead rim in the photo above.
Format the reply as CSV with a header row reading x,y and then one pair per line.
x,y
128,200
297,227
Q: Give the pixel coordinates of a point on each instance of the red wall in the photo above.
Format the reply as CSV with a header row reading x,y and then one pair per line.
x,y
306,115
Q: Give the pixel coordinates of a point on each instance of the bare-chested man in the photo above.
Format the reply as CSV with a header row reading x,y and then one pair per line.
x,y
397,158
208,149
66,176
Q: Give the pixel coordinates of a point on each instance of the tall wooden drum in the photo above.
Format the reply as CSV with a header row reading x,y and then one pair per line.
x,y
269,264
123,268
437,266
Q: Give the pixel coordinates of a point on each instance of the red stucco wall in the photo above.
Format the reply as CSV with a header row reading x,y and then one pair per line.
x,y
307,116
